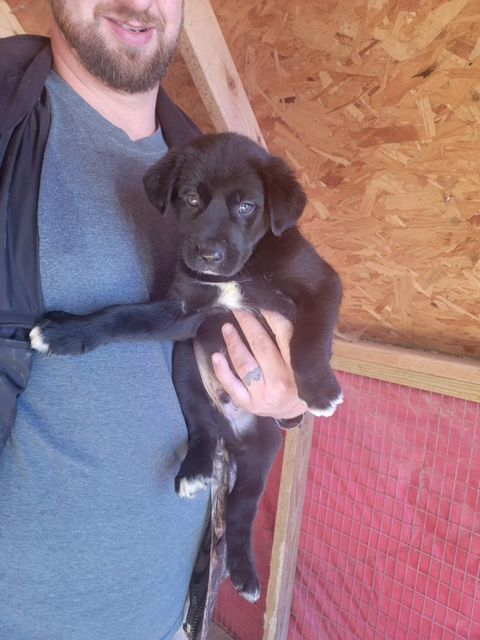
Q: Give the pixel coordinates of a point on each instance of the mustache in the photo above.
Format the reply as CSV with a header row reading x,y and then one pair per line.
x,y
125,14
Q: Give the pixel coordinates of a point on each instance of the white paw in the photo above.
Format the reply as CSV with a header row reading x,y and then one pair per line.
x,y
251,596
37,342
327,411
189,487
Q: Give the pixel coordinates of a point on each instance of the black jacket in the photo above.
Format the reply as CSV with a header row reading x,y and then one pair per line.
x,y
25,62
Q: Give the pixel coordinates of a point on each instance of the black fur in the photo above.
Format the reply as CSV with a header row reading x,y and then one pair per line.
x,y
237,209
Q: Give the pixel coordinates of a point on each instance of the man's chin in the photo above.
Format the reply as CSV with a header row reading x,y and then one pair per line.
x,y
123,68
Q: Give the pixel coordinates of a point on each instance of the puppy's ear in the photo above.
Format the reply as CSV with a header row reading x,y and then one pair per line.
x,y
284,195
159,181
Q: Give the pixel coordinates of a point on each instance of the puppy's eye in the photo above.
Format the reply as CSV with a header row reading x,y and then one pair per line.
x,y
192,199
244,208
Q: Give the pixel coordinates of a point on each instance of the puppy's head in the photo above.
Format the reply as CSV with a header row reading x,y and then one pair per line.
x,y
227,193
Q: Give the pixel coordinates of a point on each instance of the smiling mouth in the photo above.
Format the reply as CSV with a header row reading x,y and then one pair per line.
x,y
135,28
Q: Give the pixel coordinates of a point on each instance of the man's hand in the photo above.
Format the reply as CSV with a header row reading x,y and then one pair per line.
x,y
262,383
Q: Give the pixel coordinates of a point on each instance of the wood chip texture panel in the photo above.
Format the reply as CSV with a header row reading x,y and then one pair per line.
x,y
377,105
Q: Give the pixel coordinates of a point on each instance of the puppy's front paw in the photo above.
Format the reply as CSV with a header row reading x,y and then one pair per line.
x,y
37,340
59,333
320,391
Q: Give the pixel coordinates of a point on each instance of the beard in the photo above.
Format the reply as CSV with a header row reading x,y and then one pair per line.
x,y
126,69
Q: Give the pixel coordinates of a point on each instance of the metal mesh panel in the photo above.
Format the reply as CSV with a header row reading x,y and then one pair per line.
x,y
390,536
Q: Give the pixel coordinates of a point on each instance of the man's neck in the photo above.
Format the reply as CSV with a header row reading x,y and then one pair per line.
x,y
134,113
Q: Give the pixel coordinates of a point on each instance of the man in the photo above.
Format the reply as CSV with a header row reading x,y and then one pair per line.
x,y
94,542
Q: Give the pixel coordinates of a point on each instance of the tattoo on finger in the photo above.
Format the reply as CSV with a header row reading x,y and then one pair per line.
x,y
252,376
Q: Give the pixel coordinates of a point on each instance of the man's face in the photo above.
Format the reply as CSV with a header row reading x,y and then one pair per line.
x,y
127,44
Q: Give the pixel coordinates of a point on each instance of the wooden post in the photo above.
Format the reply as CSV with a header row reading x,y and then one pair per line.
x,y
286,537
213,71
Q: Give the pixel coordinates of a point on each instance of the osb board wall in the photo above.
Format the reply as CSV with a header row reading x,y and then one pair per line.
x,y
377,105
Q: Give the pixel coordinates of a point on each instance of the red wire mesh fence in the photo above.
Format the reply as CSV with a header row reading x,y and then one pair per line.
x,y
390,536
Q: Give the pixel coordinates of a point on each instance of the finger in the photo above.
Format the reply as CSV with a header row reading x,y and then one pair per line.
x,y
282,329
242,359
246,370
229,381
264,349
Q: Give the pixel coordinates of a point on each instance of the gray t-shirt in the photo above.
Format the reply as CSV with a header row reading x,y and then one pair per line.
x,y
94,542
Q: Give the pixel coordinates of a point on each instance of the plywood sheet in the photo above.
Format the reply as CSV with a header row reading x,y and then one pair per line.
x,y
377,105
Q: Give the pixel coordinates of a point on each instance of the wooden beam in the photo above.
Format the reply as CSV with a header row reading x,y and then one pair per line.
x,y
213,71
452,376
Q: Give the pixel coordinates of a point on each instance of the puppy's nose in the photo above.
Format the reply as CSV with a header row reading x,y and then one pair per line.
x,y
212,255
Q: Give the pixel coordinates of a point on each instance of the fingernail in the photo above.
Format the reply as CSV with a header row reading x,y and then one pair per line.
x,y
216,358
227,329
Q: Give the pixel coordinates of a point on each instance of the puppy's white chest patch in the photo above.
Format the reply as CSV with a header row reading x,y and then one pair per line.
x,y
229,294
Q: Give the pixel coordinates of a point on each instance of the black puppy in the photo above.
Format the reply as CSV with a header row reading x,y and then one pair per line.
x,y
237,209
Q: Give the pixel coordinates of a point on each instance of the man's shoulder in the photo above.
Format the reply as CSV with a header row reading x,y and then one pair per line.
x,y
178,128
25,61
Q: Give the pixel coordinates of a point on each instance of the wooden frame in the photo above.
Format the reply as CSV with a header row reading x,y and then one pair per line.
x,y
444,374
220,87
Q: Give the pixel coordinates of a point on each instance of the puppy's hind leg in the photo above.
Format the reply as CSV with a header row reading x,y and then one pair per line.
x,y
196,469
253,457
